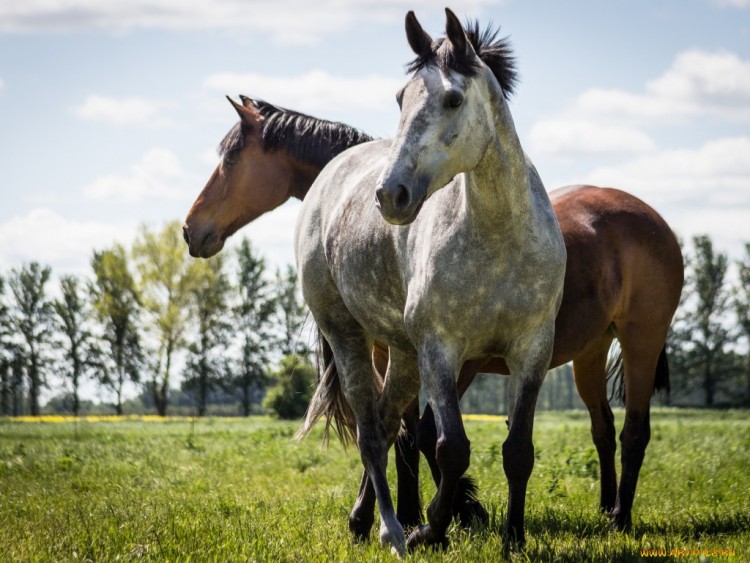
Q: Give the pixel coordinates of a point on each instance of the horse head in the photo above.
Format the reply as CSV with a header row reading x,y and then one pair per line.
x,y
246,183
446,123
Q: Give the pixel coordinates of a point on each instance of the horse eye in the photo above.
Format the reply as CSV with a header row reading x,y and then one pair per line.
x,y
453,100
230,159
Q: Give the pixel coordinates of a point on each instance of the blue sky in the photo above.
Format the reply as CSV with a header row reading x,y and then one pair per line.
x,y
110,112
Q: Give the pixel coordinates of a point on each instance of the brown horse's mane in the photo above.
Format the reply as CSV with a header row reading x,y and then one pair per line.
x,y
495,53
308,139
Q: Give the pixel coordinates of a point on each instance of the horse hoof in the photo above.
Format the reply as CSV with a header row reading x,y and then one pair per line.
x,y
360,527
620,522
471,513
397,543
513,540
424,536
409,518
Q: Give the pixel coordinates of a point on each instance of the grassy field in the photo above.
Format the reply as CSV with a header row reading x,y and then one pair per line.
x,y
235,490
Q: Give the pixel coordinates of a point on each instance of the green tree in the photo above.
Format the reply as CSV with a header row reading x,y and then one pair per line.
x,y
116,306
166,276
289,398
17,377
77,343
31,318
707,356
5,386
6,355
291,313
742,308
205,367
252,315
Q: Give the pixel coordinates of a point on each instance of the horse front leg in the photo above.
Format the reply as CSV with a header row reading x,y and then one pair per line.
x,y
466,506
452,447
528,364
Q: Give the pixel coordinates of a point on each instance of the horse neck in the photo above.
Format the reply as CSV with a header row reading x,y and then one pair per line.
x,y
302,177
498,190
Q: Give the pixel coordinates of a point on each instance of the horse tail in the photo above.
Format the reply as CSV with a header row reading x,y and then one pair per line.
x,y
616,372
661,383
328,400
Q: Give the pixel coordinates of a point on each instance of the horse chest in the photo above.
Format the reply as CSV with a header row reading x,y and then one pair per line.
x,y
473,298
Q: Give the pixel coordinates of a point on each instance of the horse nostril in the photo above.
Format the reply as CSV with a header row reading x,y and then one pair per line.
x,y
186,235
396,199
402,197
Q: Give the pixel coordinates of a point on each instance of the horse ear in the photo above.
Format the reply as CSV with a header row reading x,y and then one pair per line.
x,y
456,34
419,41
248,102
248,115
264,108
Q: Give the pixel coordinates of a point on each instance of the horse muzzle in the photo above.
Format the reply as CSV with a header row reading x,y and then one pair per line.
x,y
398,203
202,244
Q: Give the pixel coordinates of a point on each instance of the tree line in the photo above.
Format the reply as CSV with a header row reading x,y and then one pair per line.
x,y
237,330
235,327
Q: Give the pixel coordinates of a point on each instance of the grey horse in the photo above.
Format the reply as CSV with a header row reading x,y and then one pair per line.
x,y
469,263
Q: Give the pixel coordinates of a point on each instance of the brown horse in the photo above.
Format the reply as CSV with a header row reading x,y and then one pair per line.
x,y
623,280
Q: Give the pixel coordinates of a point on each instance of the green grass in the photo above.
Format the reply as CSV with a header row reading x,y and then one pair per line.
x,y
235,490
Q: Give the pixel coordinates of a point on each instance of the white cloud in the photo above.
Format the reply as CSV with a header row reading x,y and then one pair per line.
x,y
734,3
209,156
711,82
313,91
571,137
717,173
703,190
49,238
158,175
295,21
604,122
120,111
616,106
697,83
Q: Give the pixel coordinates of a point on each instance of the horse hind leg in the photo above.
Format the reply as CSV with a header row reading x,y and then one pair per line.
x,y
589,370
409,511
362,516
641,351
374,434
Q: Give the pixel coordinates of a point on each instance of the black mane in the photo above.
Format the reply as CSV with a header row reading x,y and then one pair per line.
x,y
306,138
495,53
